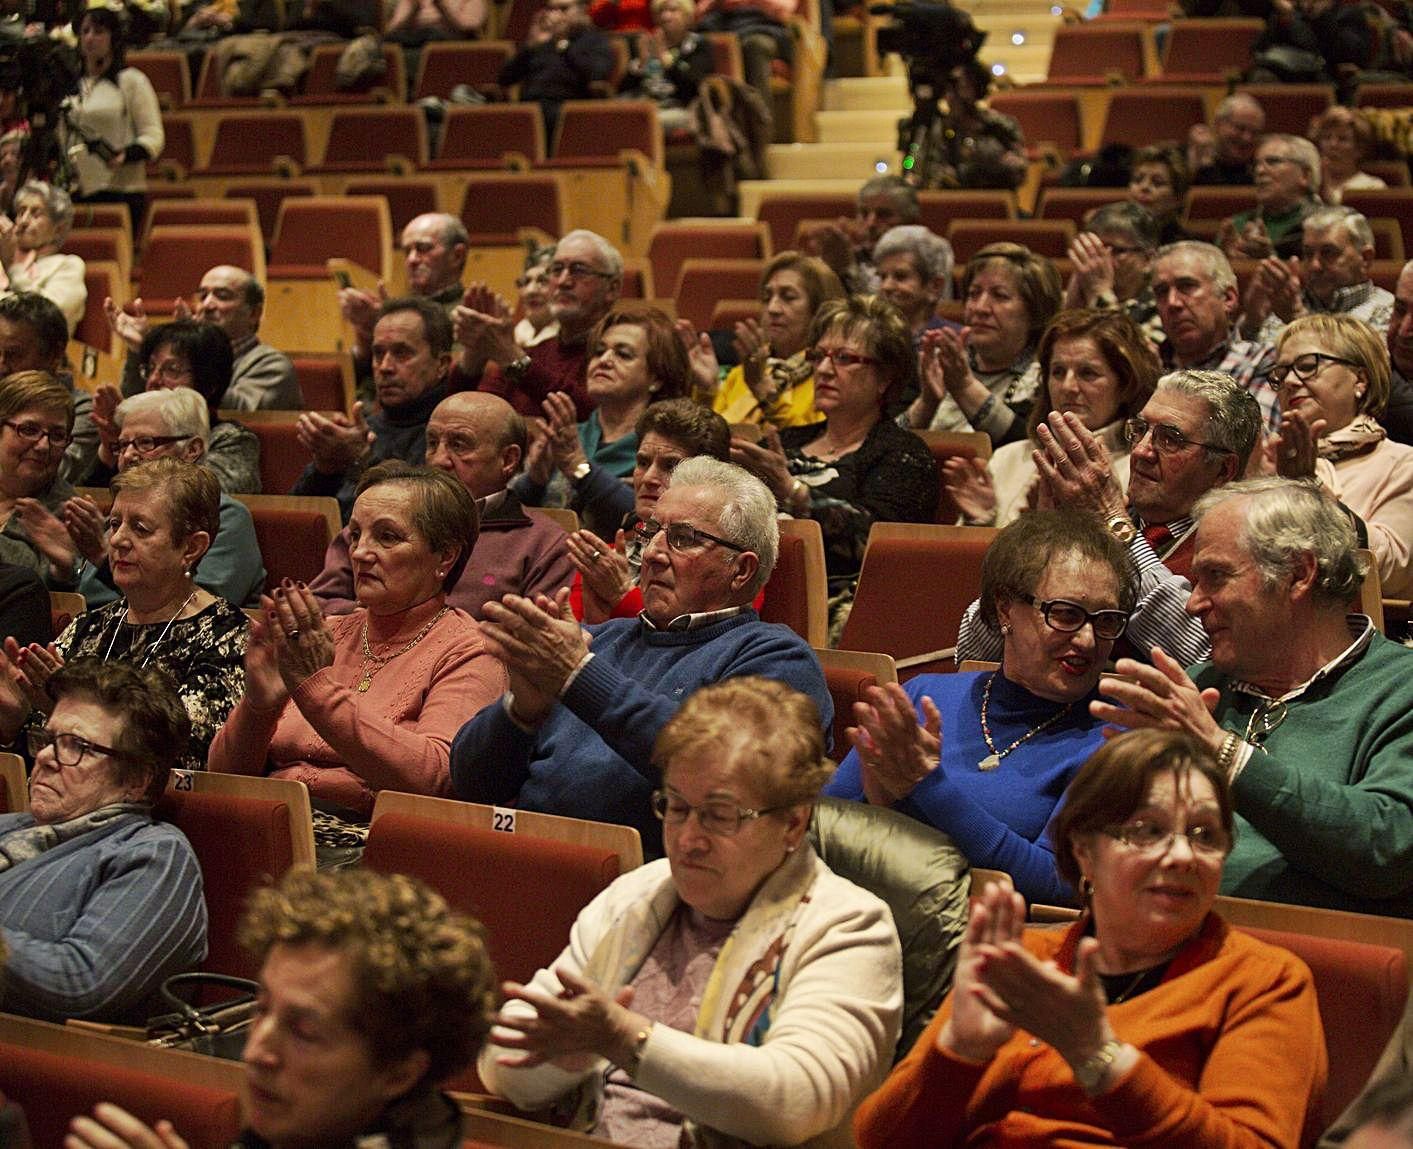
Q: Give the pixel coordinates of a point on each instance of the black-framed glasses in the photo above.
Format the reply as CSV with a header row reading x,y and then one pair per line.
x,y
33,432
144,445
69,749
1304,368
838,356
576,270
682,536
1166,438
720,819
1065,616
1144,837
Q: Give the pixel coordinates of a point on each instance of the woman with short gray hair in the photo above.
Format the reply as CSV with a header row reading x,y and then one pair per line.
x,y
29,250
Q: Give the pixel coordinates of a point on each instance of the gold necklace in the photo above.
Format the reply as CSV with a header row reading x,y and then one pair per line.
x,y
372,663
992,760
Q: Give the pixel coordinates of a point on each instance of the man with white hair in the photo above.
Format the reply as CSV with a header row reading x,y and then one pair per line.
x,y
585,279
1330,277
574,734
1307,709
1287,178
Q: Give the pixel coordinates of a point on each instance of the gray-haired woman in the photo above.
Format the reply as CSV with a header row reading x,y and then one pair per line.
x,y
29,250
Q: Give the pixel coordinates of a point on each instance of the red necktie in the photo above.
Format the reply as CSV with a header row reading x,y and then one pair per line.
x,y
1157,536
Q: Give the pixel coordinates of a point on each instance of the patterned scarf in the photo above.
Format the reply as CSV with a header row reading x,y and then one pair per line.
x,y
1360,437
30,841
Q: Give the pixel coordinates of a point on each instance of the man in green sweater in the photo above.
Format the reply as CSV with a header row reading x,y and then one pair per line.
x,y
1306,707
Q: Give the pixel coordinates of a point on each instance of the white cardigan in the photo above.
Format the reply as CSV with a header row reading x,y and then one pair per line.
x,y
122,113
833,1022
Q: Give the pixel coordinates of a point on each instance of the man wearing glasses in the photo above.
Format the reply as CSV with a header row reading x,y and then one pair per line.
x,y
1307,709
575,732
1194,434
585,278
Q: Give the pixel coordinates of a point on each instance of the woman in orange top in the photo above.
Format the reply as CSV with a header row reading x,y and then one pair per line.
x,y
1150,1021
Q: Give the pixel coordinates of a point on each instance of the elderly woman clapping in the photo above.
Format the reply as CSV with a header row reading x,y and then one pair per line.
x,y
737,989
29,250
369,701
1150,1021
36,423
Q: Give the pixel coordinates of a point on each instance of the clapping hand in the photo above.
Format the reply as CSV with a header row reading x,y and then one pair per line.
x,y
112,1127
895,751
303,644
580,1022
604,571
337,441
969,485
701,356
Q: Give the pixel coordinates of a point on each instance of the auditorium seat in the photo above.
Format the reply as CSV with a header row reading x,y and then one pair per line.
x,y
488,136
1138,116
267,195
946,445
1046,117
175,259
1219,201
257,143
1289,108
103,279
677,240
1091,53
940,208
1394,203
321,86
849,674
282,456
228,212
1208,51
1075,203
325,382
293,532
594,132
178,156
497,205
782,212
445,64
726,313
407,197
14,788
702,282
1048,237
312,230
170,77
376,139
797,594
106,244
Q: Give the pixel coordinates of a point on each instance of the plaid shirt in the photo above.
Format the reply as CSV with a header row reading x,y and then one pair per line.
x,y
1247,363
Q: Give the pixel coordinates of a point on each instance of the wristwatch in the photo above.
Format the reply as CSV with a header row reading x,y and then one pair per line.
x,y
1090,1072
517,369
1122,528
580,473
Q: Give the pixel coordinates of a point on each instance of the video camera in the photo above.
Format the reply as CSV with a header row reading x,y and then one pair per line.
x,y
933,38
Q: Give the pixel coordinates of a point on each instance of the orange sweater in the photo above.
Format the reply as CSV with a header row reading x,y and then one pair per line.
x,y
1231,1054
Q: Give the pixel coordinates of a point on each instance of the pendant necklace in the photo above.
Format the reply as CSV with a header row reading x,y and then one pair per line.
x,y
151,649
372,663
992,760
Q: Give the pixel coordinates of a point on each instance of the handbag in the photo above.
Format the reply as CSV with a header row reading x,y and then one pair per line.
x,y
216,1030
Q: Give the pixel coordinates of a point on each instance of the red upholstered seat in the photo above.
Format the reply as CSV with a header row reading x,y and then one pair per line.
x,y
249,143
497,205
364,139
1208,51
782,213
407,196
176,258
241,844
446,63
526,891
311,230
1046,117
701,282
797,594
321,84
675,241
848,675
292,539
171,79
1362,990
321,384
1088,53
1290,107
1048,237
54,1089
1138,116
482,136
268,194
282,456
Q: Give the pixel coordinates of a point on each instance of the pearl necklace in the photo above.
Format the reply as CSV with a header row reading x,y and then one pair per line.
x,y
993,760
372,663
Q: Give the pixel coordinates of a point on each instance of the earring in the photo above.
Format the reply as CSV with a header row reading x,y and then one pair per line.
x,y
1005,628
1086,890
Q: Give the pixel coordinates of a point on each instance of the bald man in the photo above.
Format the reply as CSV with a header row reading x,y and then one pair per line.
x,y
480,439
262,378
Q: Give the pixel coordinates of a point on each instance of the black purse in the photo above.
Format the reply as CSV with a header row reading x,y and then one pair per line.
x,y
217,1029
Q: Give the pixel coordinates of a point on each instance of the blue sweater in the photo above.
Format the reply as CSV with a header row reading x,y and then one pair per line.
x,y
96,924
997,818
592,757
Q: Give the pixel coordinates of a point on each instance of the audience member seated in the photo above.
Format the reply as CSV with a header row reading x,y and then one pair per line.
x,y
634,357
99,904
1059,587
1148,1021
763,28
1317,42
574,734
1287,178
884,202
372,991
114,127
1195,433
35,337
233,300
537,322
585,279
773,384
187,353
985,377
36,417
670,62
858,467
414,23
1398,415
638,1028
1331,276
1236,126
1112,259
1094,365
29,250
973,146
1333,374
434,255
606,577
1195,290
411,355
914,275
1298,699
157,425
1345,138
369,701
1158,181
164,515
24,610
562,56
479,440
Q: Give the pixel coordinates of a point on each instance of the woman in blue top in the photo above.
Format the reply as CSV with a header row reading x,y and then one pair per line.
x,y
986,757
635,358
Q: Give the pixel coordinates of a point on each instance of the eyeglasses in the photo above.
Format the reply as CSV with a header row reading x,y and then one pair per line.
x,y
558,270
167,369
33,432
1123,249
1166,438
682,536
1154,841
720,819
838,356
69,749
1304,367
1272,161
1067,617
144,445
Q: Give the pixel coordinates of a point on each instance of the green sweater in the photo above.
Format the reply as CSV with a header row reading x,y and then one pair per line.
x,y
1325,811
